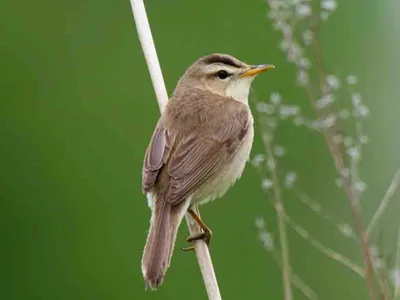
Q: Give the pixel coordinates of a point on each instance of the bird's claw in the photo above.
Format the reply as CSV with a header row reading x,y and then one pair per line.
x,y
205,236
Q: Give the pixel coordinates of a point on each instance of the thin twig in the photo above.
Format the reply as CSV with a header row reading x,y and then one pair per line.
x,y
318,52
297,281
385,201
280,211
315,207
340,166
325,250
396,293
281,228
149,50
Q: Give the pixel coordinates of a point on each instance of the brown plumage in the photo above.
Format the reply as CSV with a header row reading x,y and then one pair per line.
x,y
198,149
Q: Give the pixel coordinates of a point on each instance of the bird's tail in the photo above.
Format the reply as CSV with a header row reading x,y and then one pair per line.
x,y
164,224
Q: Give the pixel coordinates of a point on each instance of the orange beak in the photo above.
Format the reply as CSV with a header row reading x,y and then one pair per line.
x,y
255,70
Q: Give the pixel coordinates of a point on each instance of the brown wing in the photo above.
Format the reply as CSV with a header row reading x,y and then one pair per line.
x,y
201,155
156,155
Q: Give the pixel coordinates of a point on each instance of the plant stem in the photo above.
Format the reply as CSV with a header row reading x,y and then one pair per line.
x,y
281,228
396,293
385,201
340,166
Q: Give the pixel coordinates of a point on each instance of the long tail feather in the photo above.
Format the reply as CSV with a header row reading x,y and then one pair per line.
x,y
165,221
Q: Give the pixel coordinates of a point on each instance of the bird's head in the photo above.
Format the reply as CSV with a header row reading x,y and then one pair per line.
x,y
224,75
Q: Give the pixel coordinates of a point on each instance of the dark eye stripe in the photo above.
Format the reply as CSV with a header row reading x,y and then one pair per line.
x,y
221,59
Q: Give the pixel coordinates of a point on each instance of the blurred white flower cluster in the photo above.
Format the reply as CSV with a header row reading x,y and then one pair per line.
x,y
338,105
396,278
265,236
339,114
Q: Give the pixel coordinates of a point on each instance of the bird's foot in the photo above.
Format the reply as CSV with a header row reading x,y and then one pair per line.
x,y
205,235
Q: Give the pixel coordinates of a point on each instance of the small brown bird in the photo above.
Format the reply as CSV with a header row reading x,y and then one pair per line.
x,y
198,150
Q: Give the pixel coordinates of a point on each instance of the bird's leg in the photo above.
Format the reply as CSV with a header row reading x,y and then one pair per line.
x,y
205,235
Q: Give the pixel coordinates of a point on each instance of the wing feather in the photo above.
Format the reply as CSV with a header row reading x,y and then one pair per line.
x,y
156,156
192,160
202,155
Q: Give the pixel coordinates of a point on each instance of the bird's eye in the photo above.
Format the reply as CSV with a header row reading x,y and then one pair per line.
x,y
222,74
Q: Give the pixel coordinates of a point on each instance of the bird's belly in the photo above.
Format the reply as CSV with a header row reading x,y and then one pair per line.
x,y
226,177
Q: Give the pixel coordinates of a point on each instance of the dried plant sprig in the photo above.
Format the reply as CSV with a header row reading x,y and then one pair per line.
x,y
344,228
396,272
385,201
338,157
268,243
284,14
149,51
325,250
280,211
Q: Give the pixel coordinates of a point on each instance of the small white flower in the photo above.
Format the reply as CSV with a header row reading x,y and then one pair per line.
x,y
362,111
346,230
266,184
276,98
364,139
279,151
352,79
260,222
307,37
324,15
333,82
290,179
324,101
303,78
263,107
353,152
395,276
267,240
359,186
303,10
294,52
258,159
356,99
329,5
284,45
345,172
286,111
287,32
304,63
329,121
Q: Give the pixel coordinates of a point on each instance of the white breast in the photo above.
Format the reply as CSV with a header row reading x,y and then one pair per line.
x,y
231,172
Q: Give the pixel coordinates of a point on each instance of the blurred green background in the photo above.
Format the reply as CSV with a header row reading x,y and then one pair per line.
x,y
77,109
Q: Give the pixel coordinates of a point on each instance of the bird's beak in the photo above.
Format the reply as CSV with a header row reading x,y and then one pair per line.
x,y
254,70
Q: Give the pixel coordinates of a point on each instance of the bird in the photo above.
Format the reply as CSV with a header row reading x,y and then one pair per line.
x,y
198,149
